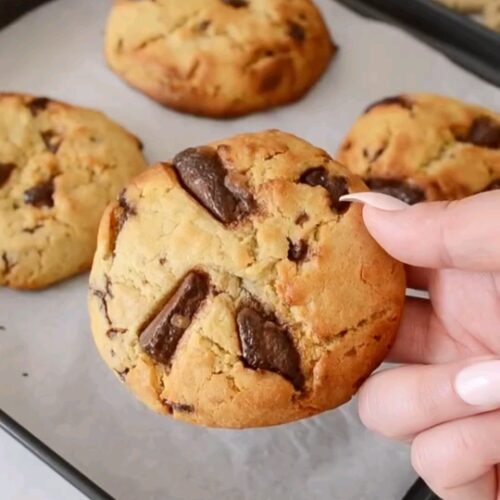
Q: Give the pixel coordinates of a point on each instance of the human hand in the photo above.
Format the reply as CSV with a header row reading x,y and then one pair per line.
x,y
446,402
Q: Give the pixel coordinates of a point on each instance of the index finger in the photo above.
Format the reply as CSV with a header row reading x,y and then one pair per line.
x,y
461,234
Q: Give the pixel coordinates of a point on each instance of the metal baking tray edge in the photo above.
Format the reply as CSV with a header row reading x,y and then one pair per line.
x,y
12,9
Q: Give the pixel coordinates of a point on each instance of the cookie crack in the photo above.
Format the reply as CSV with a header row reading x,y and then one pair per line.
x,y
149,41
442,153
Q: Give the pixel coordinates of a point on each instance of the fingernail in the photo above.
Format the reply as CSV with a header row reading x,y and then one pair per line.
x,y
479,384
376,200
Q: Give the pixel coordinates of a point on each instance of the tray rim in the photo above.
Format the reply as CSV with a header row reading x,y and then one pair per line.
x,y
419,490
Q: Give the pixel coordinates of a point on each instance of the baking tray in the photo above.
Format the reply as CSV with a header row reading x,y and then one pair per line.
x,y
465,41
482,63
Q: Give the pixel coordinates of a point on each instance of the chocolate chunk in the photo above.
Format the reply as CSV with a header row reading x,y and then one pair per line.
x,y
296,31
7,264
302,219
38,104
399,189
40,195
494,185
32,229
204,176
122,374
125,210
398,100
180,407
267,346
160,338
297,251
335,185
51,140
5,171
119,216
103,296
204,25
484,132
237,4
113,332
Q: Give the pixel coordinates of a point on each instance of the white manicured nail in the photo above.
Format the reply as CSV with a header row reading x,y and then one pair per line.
x,y
479,384
376,200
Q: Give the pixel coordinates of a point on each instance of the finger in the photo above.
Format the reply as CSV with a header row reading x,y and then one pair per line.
x,y
423,339
405,401
457,459
461,234
418,277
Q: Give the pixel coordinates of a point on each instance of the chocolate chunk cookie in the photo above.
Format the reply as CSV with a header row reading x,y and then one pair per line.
x,y
232,288
492,15
219,58
60,165
421,147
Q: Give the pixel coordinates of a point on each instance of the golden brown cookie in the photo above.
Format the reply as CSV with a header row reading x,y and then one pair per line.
x,y
467,6
218,58
232,288
60,165
425,147
492,15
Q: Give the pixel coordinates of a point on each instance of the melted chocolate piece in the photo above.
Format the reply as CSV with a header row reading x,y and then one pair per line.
x,y
160,338
302,219
113,332
119,216
5,171
122,374
7,264
398,100
40,195
38,104
399,189
125,210
297,251
335,185
204,25
494,185
267,346
103,296
484,132
180,407
204,176
51,140
237,4
296,31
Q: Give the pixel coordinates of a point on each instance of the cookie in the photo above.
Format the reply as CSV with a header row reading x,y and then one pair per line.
x,y
421,147
232,288
466,6
218,58
492,15
60,165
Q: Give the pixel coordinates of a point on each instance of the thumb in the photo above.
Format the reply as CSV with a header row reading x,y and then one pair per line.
x,y
461,234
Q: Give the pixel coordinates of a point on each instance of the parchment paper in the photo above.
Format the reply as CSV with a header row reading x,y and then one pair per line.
x,y
73,402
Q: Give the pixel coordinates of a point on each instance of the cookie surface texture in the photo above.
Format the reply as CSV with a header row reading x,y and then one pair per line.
x,y
425,147
466,6
231,288
60,165
218,58
492,15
